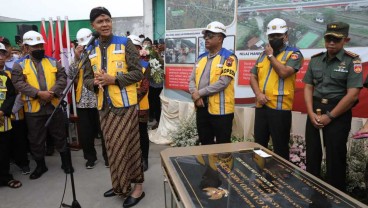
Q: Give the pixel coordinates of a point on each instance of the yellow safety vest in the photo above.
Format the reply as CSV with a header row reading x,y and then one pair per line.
x,y
279,91
143,104
78,90
223,64
32,105
7,122
20,114
116,64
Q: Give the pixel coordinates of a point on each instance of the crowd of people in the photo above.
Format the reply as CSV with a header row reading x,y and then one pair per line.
x,y
333,81
116,97
112,80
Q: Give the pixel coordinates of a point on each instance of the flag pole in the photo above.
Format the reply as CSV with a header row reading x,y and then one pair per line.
x,y
74,104
60,41
68,39
43,24
52,35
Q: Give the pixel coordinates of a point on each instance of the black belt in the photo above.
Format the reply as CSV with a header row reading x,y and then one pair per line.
x,y
333,101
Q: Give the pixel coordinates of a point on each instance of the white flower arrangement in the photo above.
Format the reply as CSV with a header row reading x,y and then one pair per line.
x,y
157,70
186,133
357,158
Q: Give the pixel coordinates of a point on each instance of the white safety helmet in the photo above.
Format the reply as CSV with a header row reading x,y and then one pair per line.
x,y
136,40
277,25
215,27
2,47
83,36
32,38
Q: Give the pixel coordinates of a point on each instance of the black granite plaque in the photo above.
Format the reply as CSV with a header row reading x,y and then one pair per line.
x,y
243,179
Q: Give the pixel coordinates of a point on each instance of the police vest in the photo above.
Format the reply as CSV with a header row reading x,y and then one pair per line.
x,y
32,105
143,104
20,114
116,64
6,126
223,102
279,91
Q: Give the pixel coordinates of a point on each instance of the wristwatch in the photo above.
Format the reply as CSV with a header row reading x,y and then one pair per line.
x,y
328,114
269,56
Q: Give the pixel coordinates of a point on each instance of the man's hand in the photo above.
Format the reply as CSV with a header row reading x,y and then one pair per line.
x,y
324,120
199,103
45,96
316,121
195,96
103,79
78,51
268,50
262,98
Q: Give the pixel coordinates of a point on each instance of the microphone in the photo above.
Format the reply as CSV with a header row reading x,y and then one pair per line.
x,y
95,35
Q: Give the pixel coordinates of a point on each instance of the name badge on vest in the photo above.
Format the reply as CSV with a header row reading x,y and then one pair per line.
x,y
119,65
118,52
2,96
94,68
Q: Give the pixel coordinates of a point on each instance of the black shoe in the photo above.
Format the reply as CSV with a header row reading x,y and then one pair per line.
x,y
90,164
154,126
145,164
67,170
131,201
25,170
38,172
107,165
109,193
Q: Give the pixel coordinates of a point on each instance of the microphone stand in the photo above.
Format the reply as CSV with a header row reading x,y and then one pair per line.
x,y
62,103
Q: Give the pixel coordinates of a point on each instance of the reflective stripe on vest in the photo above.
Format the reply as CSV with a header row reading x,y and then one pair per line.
x,y
32,105
279,91
6,126
223,102
116,64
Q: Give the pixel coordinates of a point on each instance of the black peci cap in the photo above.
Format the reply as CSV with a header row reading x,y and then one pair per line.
x,y
97,11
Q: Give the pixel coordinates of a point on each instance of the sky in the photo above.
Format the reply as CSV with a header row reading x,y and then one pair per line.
x,y
34,10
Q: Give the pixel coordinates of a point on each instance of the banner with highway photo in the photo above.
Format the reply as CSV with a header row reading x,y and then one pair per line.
x,y
246,22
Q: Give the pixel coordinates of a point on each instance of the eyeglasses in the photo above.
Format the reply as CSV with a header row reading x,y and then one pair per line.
x,y
334,39
2,54
209,35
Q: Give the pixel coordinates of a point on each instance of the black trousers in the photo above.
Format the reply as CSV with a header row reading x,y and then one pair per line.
x,y
37,133
275,123
89,127
19,143
335,136
5,144
143,134
155,102
213,126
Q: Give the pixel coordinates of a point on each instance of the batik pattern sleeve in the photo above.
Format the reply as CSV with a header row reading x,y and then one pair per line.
x,y
134,67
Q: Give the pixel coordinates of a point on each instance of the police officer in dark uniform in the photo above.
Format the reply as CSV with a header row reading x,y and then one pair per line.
x,y
333,82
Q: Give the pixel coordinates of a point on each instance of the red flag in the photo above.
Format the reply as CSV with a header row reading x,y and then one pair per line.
x,y
43,33
57,42
64,37
48,45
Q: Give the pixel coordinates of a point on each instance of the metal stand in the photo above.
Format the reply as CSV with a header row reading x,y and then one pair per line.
x,y
62,103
